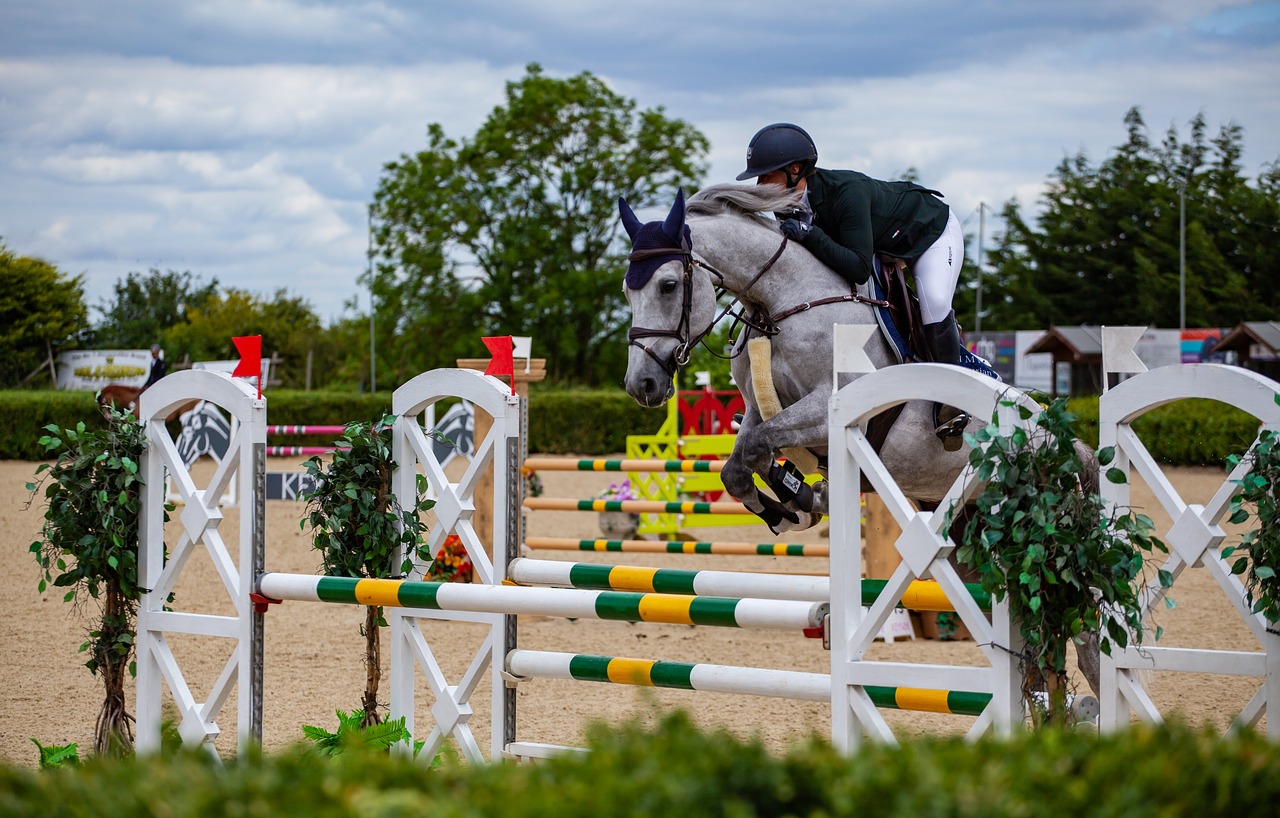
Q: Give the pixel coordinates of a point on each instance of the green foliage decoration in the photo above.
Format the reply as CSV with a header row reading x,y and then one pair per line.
x,y
57,755
361,528
89,545
1258,555
353,733
1066,563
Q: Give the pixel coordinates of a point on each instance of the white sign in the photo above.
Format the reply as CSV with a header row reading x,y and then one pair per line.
x,y
1033,371
88,370
230,366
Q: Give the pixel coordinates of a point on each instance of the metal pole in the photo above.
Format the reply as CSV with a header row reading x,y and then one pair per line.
x,y
373,358
1182,255
977,312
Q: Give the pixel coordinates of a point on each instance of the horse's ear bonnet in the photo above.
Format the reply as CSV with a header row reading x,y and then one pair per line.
x,y
671,235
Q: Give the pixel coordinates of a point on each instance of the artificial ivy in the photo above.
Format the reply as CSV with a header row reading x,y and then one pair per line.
x,y
89,545
1067,564
359,525
1259,549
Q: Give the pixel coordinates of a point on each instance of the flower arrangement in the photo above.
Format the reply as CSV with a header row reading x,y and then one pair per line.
x,y
532,482
619,524
451,563
619,491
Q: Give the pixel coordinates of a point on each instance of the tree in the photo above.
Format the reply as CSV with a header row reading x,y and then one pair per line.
x,y
145,307
515,230
288,325
42,311
1105,249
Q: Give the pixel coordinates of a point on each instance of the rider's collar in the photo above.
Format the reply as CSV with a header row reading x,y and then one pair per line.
x,y
653,248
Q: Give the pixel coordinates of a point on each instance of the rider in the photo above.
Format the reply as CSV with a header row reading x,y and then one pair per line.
x,y
846,217
158,366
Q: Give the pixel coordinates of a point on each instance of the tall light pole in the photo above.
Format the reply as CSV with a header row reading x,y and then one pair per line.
x,y
977,312
373,360
1182,255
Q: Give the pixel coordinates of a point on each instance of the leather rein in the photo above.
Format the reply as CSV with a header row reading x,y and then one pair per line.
x,y
765,324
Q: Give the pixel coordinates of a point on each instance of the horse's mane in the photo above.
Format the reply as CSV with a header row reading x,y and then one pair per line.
x,y
742,200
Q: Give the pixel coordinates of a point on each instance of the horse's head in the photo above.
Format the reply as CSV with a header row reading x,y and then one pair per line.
x,y
672,306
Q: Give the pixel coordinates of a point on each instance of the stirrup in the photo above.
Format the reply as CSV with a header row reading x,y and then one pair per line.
x,y
950,432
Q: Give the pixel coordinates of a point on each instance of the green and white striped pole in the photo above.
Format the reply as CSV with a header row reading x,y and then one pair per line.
x,y
768,614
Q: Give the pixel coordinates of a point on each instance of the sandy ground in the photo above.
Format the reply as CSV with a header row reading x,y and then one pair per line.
x,y
314,652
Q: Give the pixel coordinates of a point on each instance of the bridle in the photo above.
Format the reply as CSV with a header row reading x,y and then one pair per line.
x,y
685,341
765,324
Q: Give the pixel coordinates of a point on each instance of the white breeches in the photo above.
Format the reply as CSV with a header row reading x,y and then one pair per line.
x,y
938,270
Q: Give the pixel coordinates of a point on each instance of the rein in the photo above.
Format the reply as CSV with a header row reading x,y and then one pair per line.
x,y
762,323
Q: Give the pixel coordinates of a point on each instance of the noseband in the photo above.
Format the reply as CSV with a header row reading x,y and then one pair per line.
x,y
685,341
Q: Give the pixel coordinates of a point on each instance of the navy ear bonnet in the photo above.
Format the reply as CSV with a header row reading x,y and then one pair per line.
x,y
656,243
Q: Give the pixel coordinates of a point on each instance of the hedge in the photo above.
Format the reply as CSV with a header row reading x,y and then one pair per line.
x,y
567,421
675,770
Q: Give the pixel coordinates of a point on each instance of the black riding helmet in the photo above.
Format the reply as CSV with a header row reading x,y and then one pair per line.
x,y
776,147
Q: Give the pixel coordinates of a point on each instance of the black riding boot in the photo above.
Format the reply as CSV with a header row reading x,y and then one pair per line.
x,y
944,343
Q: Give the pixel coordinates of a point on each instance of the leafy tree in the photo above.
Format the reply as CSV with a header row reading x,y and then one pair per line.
x,y
1105,249
515,230
288,325
145,307
42,312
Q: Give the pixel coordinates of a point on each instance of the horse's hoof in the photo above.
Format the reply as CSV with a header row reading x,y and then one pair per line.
x,y
804,522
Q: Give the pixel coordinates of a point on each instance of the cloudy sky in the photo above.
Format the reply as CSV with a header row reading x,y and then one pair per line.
x,y
242,139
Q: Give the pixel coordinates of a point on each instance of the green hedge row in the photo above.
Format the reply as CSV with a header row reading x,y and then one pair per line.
x,y
1199,432
675,770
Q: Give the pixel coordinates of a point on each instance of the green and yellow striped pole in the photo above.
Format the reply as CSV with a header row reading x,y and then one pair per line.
x,y
746,549
921,595
753,681
770,614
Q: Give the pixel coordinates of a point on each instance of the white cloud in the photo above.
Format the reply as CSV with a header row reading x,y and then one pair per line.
x,y
244,139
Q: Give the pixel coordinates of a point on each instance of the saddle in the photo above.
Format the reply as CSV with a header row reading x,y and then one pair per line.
x,y
900,319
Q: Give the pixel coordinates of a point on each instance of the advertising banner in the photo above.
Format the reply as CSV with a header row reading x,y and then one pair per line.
x,y
88,370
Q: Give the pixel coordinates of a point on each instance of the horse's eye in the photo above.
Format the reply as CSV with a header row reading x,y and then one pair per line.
x,y
668,286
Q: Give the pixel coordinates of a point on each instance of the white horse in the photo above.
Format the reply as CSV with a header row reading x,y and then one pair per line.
x,y
734,246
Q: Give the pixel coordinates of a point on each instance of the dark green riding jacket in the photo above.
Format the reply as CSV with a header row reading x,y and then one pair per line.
x,y
855,217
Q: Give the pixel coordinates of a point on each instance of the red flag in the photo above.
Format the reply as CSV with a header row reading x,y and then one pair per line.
x,y
250,365
502,348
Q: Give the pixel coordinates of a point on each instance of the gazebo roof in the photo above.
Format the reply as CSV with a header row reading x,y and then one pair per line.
x,y
1249,333
1077,344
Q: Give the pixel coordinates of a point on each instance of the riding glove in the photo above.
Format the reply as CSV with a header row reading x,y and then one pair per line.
x,y
795,229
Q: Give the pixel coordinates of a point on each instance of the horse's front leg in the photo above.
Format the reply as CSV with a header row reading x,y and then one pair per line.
x,y
738,473
801,425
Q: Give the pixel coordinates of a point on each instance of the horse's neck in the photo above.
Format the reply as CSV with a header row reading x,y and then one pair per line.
x,y
794,277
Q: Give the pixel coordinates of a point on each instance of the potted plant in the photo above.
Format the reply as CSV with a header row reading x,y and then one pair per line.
x,y
359,526
614,522
1257,556
89,546
1040,538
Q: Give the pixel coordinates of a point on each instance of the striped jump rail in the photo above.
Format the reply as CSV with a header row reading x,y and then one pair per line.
x,y
769,614
921,595
785,684
295,451
600,464
305,430
634,506
765,549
